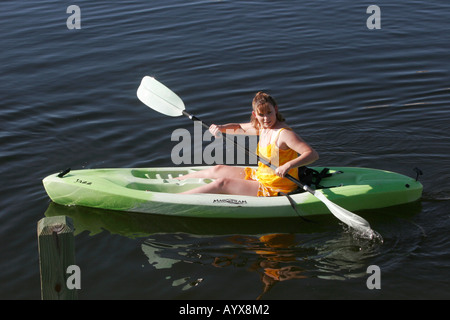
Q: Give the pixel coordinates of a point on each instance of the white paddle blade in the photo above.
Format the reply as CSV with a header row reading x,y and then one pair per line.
x,y
160,98
349,218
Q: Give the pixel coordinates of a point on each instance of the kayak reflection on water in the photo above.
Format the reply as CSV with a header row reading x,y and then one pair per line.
x,y
274,250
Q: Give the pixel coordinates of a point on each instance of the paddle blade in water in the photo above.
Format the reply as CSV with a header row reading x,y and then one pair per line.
x,y
160,98
349,218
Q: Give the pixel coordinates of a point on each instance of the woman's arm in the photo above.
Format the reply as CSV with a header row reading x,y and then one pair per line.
x,y
233,128
307,155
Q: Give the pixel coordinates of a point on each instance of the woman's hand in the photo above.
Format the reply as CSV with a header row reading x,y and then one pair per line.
x,y
281,171
215,130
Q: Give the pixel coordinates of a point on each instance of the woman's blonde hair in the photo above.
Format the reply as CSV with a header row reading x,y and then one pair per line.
x,y
260,104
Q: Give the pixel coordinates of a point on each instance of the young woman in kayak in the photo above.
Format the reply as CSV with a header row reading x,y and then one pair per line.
x,y
277,143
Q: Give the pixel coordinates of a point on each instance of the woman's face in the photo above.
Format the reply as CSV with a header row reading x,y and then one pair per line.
x,y
266,116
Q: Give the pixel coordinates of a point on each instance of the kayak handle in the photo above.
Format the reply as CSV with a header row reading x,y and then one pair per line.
x,y
418,173
63,173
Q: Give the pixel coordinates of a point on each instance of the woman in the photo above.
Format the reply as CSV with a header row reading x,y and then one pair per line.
x,y
277,143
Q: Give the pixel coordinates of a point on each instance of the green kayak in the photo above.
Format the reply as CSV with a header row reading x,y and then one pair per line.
x,y
154,190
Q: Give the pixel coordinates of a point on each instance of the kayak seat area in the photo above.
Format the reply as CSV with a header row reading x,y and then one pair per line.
x,y
158,181
160,174
164,180
167,185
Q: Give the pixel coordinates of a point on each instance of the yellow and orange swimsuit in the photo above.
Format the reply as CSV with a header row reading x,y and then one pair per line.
x,y
269,183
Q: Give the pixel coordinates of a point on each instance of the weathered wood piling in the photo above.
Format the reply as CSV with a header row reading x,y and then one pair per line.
x,y
56,255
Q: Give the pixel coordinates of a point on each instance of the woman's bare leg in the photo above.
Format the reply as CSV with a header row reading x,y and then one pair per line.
x,y
216,172
228,186
227,180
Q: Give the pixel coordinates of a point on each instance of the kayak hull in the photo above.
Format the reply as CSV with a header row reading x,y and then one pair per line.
x,y
154,190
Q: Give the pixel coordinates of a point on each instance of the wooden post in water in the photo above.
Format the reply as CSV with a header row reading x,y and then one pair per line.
x,y
56,253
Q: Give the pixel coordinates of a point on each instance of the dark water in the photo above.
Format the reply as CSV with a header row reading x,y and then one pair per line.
x,y
368,98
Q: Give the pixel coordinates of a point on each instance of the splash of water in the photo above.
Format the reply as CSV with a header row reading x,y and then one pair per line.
x,y
367,234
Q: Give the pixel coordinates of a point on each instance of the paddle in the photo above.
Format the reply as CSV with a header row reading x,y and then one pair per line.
x,y
160,98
